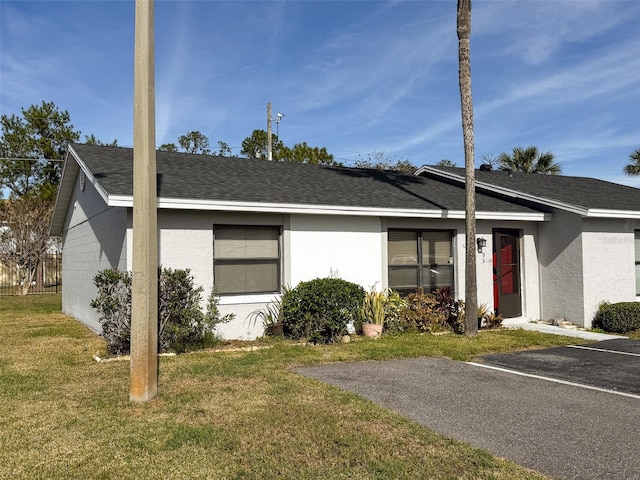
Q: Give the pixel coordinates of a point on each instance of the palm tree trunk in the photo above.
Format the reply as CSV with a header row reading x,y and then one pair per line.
x,y
464,69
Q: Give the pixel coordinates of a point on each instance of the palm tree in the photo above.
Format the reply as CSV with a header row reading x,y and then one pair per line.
x,y
464,79
633,167
529,160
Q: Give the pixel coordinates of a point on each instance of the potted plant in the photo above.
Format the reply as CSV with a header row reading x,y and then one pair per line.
x,y
372,313
270,318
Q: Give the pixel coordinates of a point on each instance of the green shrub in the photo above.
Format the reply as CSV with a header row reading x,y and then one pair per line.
x,y
430,312
620,317
452,309
394,305
422,314
181,323
113,303
320,310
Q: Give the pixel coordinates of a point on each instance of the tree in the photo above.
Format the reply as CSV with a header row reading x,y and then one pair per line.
x,y
446,163
224,149
380,161
195,142
92,140
466,102
255,146
168,147
529,160
490,160
30,146
633,167
24,236
303,153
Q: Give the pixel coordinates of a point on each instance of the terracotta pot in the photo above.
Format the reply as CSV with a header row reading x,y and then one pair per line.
x,y
371,330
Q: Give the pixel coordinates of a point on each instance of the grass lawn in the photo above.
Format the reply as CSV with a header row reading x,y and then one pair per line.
x,y
230,415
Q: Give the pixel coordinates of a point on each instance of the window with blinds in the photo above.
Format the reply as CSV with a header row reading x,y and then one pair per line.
x,y
420,258
246,259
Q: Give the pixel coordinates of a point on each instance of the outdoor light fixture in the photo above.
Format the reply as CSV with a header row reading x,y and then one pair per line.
x,y
482,242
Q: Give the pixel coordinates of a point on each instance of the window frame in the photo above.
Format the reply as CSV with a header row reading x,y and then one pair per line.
x,y
420,266
250,260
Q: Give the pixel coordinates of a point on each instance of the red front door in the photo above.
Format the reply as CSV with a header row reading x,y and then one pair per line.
x,y
506,268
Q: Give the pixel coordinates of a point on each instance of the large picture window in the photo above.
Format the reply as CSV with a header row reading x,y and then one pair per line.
x,y
420,258
246,259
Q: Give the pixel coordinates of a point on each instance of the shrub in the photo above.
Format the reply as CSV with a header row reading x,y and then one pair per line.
x,y
181,323
113,303
421,314
620,317
450,308
431,312
394,305
486,318
320,310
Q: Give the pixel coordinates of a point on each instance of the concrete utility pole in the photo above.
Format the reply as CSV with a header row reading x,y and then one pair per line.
x,y
269,146
144,291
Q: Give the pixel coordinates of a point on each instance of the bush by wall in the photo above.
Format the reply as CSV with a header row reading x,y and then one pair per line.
x,y
320,310
113,303
620,317
430,312
182,325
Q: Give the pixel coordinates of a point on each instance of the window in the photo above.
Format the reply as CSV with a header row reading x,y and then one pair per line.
x,y
246,259
637,249
420,258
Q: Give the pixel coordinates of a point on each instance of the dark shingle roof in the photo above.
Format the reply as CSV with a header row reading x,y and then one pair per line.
x,y
209,178
587,193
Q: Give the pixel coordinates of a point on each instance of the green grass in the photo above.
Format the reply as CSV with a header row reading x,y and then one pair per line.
x,y
634,334
229,415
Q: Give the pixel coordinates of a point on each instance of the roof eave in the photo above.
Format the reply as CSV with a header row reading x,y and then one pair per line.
x,y
515,194
72,164
604,213
294,208
65,190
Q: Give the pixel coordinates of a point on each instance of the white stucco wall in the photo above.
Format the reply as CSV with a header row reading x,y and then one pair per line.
x,y
608,263
347,247
93,239
561,268
584,262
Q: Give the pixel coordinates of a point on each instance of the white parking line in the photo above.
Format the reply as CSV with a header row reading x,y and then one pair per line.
x,y
555,380
604,350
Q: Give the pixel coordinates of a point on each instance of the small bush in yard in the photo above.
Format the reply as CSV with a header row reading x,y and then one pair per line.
x,y
320,310
113,303
181,323
431,312
620,317
394,305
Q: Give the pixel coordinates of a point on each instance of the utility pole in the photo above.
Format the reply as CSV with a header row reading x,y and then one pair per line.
x,y
269,146
144,291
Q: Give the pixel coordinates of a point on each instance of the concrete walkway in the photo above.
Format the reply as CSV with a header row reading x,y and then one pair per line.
x,y
555,330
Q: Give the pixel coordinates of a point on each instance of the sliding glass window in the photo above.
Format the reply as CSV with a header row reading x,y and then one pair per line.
x,y
420,258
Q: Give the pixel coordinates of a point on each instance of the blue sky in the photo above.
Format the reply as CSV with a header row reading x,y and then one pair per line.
x,y
355,77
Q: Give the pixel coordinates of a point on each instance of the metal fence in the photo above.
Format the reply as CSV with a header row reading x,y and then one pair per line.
x,y
47,279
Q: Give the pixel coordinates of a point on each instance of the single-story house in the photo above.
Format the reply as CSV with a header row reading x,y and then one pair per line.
x,y
548,246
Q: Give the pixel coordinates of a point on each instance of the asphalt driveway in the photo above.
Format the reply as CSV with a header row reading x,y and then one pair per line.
x,y
553,425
